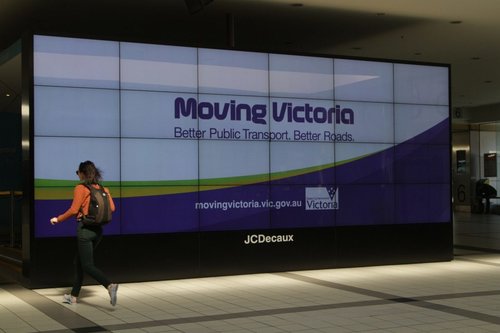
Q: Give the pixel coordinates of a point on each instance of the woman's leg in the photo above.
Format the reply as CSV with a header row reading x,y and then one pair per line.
x,y
77,283
88,239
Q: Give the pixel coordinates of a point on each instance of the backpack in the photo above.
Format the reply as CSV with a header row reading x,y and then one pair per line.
x,y
99,207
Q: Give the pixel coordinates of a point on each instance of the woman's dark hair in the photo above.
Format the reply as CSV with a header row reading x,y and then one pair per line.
x,y
91,174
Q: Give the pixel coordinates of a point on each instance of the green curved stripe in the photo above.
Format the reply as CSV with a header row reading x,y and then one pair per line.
x,y
55,189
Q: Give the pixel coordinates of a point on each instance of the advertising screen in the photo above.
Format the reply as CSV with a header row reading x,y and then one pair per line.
x,y
194,139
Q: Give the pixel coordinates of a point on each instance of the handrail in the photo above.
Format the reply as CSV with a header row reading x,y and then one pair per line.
x,y
8,193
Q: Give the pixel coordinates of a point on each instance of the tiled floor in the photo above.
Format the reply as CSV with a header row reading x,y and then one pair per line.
x,y
458,296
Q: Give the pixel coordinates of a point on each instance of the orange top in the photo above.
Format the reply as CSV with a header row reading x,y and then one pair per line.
x,y
81,199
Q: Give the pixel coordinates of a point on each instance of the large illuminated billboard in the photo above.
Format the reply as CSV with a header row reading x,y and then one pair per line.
x,y
194,139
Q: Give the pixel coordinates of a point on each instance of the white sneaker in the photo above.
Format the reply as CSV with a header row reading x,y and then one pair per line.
x,y
68,299
112,290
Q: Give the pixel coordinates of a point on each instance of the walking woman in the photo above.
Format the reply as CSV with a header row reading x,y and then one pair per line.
x,y
88,236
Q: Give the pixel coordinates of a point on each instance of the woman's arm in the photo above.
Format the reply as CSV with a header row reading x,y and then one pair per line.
x,y
111,202
79,194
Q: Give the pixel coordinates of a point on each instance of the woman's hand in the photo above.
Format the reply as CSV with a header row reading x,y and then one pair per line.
x,y
54,220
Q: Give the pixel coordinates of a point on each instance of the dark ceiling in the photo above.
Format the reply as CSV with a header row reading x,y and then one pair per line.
x,y
461,33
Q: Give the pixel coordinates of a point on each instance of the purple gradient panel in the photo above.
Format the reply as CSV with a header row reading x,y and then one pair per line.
x,y
46,209
377,168
439,134
366,205
422,163
160,214
423,203
235,208
297,217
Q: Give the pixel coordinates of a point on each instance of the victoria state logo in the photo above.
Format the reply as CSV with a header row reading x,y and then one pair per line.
x,y
322,198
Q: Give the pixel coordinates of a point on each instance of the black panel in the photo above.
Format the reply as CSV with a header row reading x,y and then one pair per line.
x,y
122,258
239,252
394,244
183,255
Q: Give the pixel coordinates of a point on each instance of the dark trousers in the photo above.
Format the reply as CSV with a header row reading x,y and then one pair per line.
x,y
88,238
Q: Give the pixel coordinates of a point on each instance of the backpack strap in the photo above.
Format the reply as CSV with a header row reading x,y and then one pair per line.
x,y
90,188
87,186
